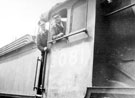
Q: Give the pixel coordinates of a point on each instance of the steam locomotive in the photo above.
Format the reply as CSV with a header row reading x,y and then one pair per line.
x,y
94,59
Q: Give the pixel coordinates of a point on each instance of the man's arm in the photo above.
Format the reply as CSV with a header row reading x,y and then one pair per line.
x,y
39,46
60,34
53,31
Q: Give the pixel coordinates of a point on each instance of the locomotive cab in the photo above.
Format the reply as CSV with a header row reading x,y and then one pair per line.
x,y
95,56
69,61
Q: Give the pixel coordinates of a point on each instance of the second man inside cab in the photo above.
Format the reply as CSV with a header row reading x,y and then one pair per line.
x,y
58,27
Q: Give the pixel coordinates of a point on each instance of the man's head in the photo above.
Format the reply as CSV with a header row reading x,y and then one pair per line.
x,y
57,18
42,23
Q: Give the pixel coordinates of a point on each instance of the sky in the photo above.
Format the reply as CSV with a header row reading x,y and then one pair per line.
x,y
20,17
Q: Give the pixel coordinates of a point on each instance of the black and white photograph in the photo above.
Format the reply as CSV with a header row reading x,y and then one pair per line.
x,y
67,48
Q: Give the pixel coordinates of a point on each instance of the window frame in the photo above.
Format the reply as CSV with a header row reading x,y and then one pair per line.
x,y
67,22
71,16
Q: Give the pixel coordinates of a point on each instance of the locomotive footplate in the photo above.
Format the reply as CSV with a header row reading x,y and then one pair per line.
x,y
108,92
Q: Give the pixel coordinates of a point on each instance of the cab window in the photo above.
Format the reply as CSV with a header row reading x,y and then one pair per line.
x,y
79,15
58,24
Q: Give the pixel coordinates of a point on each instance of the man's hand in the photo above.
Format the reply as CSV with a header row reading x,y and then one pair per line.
x,y
54,37
60,35
45,48
57,36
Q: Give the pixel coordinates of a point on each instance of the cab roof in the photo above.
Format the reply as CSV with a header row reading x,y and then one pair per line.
x,y
59,6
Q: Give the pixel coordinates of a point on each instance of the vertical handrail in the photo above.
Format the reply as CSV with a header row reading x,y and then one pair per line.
x,y
121,9
36,74
44,69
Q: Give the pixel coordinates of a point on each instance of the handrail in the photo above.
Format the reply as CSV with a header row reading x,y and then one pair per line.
x,y
71,34
44,69
121,9
36,75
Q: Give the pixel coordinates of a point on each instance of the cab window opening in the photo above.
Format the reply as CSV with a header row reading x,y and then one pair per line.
x,y
58,24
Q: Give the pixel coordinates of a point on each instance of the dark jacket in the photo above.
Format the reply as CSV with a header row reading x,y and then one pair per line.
x,y
42,40
56,30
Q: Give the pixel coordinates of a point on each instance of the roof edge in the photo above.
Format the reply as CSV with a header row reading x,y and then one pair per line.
x,y
21,42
